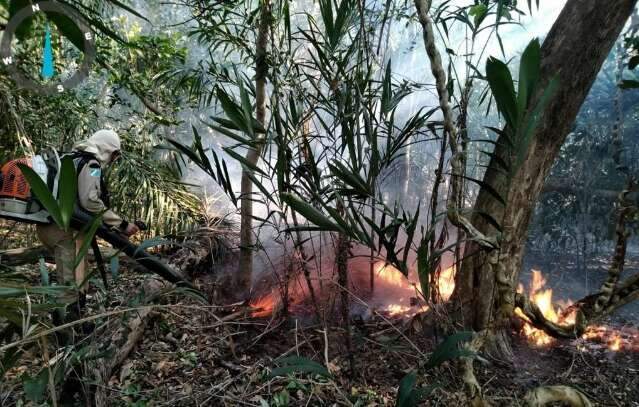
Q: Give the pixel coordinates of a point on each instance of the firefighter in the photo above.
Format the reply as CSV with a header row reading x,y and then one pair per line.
x,y
91,158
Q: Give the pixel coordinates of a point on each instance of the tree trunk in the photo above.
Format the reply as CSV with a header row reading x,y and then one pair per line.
x,y
574,51
245,272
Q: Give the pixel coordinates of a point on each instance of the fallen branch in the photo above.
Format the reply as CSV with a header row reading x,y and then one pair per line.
x,y
612,295
120,338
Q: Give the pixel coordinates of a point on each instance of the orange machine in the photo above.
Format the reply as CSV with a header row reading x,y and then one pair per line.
x,y
12,182
16,200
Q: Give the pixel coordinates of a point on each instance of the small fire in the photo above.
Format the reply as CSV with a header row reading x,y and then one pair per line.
x,y
264,306
615,343
396,309
392,276
447,283
542,297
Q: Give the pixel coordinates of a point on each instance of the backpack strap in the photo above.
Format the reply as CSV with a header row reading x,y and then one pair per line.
x,y
81,159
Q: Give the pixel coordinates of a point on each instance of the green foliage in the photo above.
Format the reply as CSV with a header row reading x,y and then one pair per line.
x,y
521,116
297,364
35,387
450,349
61,209
408,395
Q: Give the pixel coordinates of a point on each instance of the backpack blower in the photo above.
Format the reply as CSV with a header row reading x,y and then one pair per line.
x,y
17,203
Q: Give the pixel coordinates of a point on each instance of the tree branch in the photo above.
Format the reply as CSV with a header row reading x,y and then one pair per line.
x,y
450,131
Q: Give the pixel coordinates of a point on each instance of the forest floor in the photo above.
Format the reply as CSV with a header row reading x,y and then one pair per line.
x,y
200,355
188,358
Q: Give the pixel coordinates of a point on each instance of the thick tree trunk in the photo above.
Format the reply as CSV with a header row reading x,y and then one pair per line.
x,y
574,52
245,271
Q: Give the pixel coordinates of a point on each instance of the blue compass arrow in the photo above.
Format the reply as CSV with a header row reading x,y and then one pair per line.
x,y
47,56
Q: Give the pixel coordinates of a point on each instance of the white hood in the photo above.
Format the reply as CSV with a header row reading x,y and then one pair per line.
x,y
102,144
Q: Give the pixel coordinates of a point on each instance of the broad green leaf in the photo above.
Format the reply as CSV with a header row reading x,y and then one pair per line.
x,y
406,392
479,12
387,90
67,191
42,193
298,364
450,349
528,75
35,387
87,235
501,84
350,178
533,119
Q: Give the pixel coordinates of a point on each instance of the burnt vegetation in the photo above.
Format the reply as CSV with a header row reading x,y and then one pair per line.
x,y
359,203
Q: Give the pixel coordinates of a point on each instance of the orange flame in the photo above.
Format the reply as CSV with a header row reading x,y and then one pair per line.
x,y
264,306
542,297
615,343
392,276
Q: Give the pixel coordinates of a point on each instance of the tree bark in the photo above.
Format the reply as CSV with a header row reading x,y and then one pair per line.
x,y
245,272
574,51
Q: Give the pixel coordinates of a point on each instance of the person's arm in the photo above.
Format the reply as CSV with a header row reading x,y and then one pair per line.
x,y
89,193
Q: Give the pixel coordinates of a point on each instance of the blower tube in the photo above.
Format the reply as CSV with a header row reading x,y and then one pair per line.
x,y
79,220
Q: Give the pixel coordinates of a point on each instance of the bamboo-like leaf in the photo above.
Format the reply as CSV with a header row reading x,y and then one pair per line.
x,y
246,163
423,269
350,178
387,90
488,218
310,213
234,112
488,188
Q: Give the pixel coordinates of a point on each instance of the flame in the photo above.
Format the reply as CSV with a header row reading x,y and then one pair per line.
x,y
391,276
615,343
542,297
396,309
264,306
446,283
